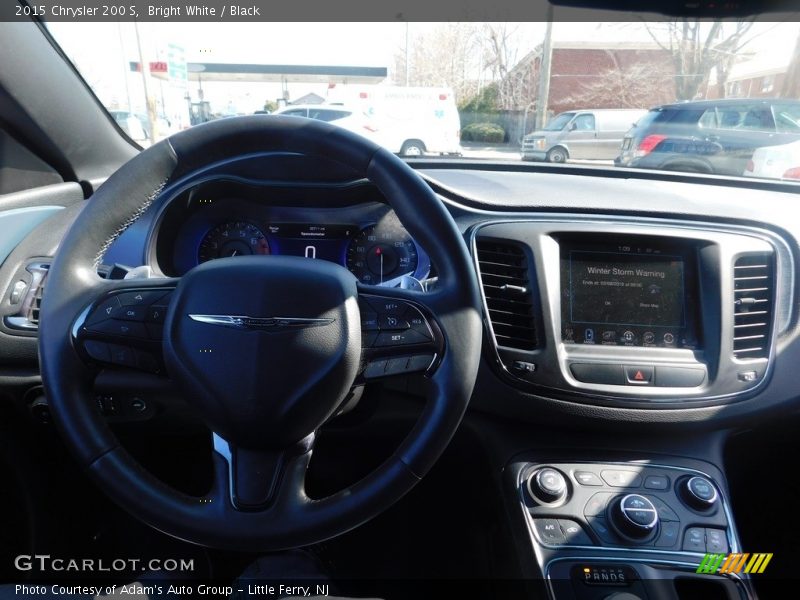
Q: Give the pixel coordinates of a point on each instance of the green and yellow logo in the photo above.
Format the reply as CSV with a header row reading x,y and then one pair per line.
x,y
734,563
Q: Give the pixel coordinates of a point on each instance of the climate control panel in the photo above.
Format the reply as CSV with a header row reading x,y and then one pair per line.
x,y
628,505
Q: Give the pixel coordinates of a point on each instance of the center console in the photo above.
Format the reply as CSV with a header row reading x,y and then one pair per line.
x,y
659,315
627,530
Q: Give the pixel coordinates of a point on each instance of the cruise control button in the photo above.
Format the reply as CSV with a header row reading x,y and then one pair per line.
x,y
103,311
587,478
123,356
639,375
387,306
694,540
549,531
120,328
417,322
129,313
144,298
574,533
392,323
399,338
622,479
369,321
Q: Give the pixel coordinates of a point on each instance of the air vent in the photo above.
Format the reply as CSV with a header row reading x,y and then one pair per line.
x,y
753,290
507,289
36,295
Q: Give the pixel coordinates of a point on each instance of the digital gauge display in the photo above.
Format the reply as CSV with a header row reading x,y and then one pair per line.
x,y
237,238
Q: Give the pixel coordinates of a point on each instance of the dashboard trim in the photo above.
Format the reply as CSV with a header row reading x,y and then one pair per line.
x,y
609,395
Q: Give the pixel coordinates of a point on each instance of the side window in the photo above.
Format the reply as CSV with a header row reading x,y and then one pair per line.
x,y
296,112
787,117
325,114
709,119
584,122
758,118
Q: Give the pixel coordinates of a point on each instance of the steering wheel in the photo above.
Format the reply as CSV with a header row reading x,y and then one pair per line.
x,y
264,348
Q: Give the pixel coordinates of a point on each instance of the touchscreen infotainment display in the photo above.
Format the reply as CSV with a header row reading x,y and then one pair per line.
x,y
635,294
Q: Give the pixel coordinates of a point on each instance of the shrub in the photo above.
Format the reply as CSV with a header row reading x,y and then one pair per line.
x,y
483,132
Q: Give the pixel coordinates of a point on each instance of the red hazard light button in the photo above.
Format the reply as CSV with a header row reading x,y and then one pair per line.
x,y
639,375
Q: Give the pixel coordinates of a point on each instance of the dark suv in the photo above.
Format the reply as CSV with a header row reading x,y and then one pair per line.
x,y
709,136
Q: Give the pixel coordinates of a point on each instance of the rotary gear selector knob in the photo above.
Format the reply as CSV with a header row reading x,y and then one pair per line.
x,y
634,516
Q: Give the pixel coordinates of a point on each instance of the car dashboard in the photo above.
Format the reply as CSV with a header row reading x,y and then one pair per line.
x,y
621,311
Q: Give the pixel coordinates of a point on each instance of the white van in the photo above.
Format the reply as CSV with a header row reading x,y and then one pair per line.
x,y
410,121
584,134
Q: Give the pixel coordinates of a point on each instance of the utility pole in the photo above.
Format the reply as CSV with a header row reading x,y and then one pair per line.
x,y
408,66
544,71
148,98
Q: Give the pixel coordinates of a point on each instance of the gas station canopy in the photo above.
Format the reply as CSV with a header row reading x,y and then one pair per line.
x,y
284,73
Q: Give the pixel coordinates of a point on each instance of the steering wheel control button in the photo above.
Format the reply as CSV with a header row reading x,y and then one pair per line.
x,y
419,362
103,311
388,306
389,339
549,531
699,493
621,479
638,375
574,533
392,323
598,373
98,351
656,482
716,541
547,485
141,298
587,478
369,321
130,313
634,516
129,329
694,540
122,356
669,534
155,314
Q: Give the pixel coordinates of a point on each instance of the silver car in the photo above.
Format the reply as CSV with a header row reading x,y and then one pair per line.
x,y
584,134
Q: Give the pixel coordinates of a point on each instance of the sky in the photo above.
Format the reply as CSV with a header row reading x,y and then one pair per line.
x,y
102,51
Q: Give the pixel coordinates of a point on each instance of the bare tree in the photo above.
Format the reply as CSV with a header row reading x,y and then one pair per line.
x,y
622,87
697,48
449,56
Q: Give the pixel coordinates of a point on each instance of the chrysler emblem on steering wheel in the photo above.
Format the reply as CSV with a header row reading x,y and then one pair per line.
x,y
260,323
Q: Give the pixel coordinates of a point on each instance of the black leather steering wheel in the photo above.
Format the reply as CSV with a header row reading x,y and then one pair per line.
x,y
267,366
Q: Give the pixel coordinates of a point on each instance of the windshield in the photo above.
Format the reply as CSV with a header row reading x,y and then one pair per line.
x,y
471,90
559,122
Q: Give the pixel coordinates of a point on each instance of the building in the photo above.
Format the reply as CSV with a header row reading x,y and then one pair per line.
x,y
601,75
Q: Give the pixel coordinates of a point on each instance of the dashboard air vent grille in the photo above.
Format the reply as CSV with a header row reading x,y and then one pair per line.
x,y
753,301
507,289
36,295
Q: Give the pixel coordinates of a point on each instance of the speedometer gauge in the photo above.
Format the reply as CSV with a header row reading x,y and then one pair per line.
x,y
232,239
379,254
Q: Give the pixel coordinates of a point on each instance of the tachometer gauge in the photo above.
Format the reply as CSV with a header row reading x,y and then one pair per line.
x,y
378,255
232,239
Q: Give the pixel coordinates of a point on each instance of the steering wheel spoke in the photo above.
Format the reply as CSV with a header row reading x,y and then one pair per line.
x,y
260,479
124,325
399,333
